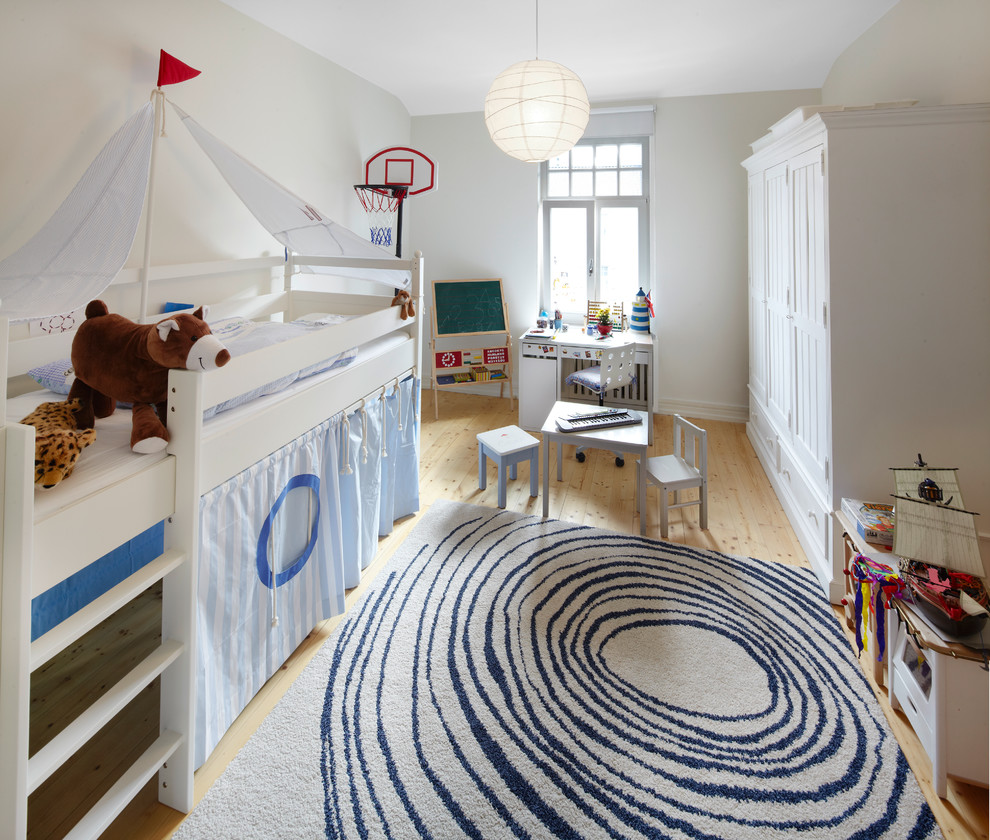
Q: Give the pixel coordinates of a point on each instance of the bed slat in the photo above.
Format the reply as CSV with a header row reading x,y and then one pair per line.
x,y
104,812
76,625
57,751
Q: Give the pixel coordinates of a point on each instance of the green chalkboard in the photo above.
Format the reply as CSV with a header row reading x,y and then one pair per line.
x,y
461,307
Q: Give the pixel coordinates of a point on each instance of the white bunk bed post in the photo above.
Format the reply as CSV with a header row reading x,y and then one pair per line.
x,y
4,370
17,448
287,285
159,97
178,683
417,292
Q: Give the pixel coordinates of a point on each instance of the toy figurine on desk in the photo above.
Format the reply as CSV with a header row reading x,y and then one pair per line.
x,y
935,537
642,311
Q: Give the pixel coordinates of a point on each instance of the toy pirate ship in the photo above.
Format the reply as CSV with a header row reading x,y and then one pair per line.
x,y
935,537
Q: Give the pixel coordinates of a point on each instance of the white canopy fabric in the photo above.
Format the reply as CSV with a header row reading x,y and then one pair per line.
x,y
291,220
83,246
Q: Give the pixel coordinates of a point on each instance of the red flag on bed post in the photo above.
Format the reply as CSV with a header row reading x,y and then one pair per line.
x,y
171,71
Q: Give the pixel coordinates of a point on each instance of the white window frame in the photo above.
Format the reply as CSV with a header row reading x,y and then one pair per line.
x,y
594,205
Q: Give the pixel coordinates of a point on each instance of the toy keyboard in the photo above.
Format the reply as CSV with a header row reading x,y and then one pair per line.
x,y
597,420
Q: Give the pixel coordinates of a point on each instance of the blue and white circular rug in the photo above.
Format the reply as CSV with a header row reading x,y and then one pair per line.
x,y
512,677
506,676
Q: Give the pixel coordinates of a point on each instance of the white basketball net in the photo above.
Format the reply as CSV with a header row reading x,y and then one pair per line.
x,y
382,206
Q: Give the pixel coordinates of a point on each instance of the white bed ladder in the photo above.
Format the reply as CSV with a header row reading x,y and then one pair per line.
x,y
19,774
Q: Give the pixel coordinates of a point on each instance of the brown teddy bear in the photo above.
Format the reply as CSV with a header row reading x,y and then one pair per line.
x,y
404,300
57,442
117,360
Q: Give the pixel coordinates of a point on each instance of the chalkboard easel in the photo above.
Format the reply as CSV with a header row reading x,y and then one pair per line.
x,y
464,308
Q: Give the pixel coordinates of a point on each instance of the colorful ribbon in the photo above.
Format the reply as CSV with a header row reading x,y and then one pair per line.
x,y
869,573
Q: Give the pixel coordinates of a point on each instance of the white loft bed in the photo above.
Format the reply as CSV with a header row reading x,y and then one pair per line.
x,y
51,535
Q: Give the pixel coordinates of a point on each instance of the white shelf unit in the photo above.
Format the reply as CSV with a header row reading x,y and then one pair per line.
x,y
945,697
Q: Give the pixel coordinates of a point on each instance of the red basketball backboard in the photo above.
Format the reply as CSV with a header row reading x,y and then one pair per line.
x,y
402,166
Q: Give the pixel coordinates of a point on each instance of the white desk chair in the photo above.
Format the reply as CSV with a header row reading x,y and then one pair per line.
x,y
617,369
687,467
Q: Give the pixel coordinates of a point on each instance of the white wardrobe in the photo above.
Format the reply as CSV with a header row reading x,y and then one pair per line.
x,y
869,309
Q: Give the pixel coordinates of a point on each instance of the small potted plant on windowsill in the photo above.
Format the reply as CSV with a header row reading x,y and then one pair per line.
x,y
604,322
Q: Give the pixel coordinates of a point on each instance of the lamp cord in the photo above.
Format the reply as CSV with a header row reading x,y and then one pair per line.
x,y
537,29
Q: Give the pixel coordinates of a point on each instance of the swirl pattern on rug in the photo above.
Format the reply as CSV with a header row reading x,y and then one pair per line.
x,y
516,677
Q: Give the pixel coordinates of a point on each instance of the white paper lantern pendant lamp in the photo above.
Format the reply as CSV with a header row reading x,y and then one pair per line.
x,y
536,110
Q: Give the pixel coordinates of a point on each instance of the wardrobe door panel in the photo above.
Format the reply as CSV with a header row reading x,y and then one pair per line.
x,y
778,279
757,292
809,313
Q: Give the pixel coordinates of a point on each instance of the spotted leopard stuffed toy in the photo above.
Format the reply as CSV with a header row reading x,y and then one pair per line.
x,y
57,442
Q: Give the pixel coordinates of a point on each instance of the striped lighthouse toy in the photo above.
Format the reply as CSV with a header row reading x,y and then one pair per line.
x,y
642,311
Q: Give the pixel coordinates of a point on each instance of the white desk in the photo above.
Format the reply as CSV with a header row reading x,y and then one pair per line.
x,y
546,360
631,439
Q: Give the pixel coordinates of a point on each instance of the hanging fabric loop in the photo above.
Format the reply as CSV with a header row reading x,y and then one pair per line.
x,y
364,434
273,592
384,422
345,428
398,397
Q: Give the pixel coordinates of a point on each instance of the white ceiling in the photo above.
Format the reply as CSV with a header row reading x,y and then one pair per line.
x,y
440,56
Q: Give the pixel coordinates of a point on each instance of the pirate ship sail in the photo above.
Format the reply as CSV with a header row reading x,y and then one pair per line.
x,y
935,537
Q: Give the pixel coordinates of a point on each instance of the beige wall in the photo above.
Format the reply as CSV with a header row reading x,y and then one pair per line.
x,y
74,71
481,221
700,225
935,51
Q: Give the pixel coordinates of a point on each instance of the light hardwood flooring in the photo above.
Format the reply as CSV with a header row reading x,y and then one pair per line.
x,y
744,518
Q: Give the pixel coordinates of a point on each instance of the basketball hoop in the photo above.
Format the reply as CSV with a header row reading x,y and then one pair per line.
x,y
383,204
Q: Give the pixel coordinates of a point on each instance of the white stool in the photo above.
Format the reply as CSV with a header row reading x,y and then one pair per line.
x,y
507,447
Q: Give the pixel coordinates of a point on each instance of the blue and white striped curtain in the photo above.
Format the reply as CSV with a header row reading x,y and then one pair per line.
x,y
380,463
400,469
281,541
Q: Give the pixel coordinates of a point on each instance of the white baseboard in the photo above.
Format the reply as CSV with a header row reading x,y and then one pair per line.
x,y
704,411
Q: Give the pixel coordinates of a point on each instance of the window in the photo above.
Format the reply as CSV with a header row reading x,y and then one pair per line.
x,y
595,224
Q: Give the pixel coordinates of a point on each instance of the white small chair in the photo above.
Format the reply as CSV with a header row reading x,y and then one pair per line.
x,y
687,467
617,369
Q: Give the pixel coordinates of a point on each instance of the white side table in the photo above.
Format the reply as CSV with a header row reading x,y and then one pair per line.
x,y
507,447
943,690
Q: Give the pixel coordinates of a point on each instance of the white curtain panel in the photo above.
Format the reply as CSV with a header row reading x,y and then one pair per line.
x,y
83,246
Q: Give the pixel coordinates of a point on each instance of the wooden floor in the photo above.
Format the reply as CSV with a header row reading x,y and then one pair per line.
x,y
744,518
